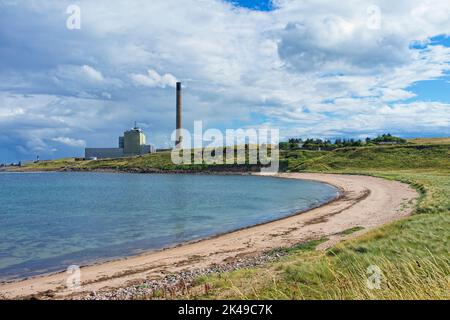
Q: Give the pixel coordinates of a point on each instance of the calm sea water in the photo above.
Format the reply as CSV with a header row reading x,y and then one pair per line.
x,y
49,221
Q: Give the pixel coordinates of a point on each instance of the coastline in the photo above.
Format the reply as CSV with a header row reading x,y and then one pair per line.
x,y
339,194
215,170
358,194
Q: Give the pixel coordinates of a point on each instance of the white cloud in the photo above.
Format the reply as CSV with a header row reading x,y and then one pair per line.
x,y
92,74
153,79
70,141
79,74
389,94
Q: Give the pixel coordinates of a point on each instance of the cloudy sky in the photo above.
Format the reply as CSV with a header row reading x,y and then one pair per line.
x,y
312,68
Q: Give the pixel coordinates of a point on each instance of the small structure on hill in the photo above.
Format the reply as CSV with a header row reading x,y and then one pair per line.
x,y
132,143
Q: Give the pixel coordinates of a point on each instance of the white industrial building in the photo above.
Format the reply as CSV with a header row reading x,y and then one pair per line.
x,y
132,143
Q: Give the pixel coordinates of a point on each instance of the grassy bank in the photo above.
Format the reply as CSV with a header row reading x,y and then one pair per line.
x,y
354,159
160,161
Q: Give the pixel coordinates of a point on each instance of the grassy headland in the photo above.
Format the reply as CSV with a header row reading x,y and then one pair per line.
x,y
156,162
412,254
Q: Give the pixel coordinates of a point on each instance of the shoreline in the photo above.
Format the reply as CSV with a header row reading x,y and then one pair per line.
x,y
217,170
337,197
326,220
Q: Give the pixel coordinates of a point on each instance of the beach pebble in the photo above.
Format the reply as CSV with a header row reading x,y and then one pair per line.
x,y
177,284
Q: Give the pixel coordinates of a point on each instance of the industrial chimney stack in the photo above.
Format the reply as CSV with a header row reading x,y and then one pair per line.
x,y
179,106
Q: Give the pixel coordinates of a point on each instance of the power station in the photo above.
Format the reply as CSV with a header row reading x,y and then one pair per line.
x,y
133,142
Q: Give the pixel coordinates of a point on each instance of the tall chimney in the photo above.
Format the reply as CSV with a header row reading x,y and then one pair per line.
x,y
179,105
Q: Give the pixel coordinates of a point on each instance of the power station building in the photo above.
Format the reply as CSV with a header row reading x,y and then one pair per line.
x,y
132,143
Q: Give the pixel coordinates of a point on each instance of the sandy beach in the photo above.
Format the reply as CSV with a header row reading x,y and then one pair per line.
x,y
365,202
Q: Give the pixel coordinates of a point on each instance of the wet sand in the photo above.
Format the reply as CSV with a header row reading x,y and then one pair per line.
x,y
365,202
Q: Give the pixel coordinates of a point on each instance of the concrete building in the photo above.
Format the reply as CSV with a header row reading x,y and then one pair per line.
x,y
133,140
132,143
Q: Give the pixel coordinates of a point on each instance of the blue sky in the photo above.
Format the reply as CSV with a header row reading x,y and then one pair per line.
x,y
324,68
436,89
261,5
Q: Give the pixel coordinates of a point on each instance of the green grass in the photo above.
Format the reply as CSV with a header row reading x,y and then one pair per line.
x,y
160,161
379,158
301,247
375,158
350,231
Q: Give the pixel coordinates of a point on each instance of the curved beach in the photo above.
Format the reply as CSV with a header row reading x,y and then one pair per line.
x,y
365,202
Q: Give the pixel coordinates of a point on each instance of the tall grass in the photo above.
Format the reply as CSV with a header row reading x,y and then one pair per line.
x,y
405,278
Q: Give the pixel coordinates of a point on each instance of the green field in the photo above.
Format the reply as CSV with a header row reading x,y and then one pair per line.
x,y
413,254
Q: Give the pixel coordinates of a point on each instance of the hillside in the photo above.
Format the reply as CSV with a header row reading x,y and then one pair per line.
x,y
377,158
344,159
160,161
430,141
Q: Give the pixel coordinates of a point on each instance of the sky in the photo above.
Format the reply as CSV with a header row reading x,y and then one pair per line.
x,y
310,68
